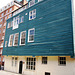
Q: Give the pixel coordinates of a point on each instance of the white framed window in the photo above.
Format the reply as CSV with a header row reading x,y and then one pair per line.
x,y
16,39
3,59
6,18
62,61
2,14
16,61
10,24
15,22
22,19
2,44
6,11
22,38
1,19
2,37
44,60
3,30
12,61
30,63
0,25
5,43
31,33
10,9
32,14
32,2
10,40
4,24
1,51
10,15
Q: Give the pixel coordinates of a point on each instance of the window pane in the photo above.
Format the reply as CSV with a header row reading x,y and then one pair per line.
x,y
16,39
32,2
30,63
62,60
31,35
23,36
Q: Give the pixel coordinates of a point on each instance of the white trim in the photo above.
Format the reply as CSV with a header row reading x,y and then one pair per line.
x,y
31,1
14,39
32,14
9,41
5,43
20,37
29,33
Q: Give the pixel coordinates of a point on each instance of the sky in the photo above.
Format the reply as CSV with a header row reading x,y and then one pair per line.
x,y
5,2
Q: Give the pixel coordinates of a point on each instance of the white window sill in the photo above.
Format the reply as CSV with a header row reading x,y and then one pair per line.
x,y
22,44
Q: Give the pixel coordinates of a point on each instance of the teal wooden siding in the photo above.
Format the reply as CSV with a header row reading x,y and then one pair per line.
x,y
53,30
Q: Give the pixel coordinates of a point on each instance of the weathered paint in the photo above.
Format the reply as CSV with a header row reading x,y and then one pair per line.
x,y
53,30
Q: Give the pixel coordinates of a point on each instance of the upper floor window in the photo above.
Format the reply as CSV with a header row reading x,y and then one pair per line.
x,y
22,18
5,24
15,22
16,39
11,40
6,18
6,11
0,25
62,60
1,51
44,60
22,38
10,24
9,15
30,63
3,30
5,43
10,9
32,2
31,35
1,19
32,14
2,14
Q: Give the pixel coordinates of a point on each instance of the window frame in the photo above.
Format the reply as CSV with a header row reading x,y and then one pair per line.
x,y
29,33
31,5
0,25
61,61
14,39
28,60
6,43
16,61
43,61
21,37
13,61
32,14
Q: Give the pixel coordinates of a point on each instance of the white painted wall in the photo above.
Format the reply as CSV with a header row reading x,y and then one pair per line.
x,y
52,66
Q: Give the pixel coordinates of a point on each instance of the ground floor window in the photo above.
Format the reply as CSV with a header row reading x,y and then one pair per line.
x,y
30,63
62,61
12,61
44,60
46,73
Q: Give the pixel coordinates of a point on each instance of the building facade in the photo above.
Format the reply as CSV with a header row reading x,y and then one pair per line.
x,y
5,13
41,39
